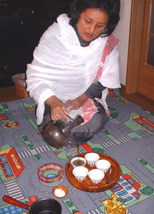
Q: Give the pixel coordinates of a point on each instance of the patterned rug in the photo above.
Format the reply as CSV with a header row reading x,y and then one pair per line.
x,y
128,137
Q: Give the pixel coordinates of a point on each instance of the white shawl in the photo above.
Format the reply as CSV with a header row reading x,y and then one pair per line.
x,y
62,67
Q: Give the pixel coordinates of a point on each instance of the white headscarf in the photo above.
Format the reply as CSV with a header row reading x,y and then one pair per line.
x,y
62,67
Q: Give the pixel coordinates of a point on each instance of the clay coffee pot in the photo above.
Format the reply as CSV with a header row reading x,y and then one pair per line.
x,y
56,133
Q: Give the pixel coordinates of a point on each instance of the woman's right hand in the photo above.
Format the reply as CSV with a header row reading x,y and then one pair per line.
x,y
58,109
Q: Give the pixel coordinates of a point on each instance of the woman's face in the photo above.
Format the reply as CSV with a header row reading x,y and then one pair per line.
x,y
91,23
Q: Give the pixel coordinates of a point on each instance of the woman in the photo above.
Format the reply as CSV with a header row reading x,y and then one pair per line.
x,y
74,63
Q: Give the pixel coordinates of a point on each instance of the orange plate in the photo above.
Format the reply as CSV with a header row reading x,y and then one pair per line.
x,y
60,187
87,185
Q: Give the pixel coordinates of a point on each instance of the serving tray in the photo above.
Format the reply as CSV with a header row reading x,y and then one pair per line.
x,y
110,179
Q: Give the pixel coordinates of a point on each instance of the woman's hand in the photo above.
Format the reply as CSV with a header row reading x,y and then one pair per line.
x,y
76,103
58,109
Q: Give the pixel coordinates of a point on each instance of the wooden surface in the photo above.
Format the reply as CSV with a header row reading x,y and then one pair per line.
x,y
135,42
7,94
138,99
87,185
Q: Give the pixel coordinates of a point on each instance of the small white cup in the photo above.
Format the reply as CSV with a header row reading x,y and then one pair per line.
x,y
80,172
91,158
103,165
96,175
78,161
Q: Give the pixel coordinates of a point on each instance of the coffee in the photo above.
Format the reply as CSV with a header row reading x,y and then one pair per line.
x,y
78,162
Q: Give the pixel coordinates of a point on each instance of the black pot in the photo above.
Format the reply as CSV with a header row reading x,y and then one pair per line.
x,y
42,206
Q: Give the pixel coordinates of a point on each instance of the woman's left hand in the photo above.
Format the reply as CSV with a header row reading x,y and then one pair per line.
x,y
76,103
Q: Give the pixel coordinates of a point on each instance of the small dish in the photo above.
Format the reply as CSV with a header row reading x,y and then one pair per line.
x,y
91,158
60,191
96,175
78,161
103,165
80,172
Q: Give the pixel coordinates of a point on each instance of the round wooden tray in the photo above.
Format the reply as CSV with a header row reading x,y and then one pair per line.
x,y
87,185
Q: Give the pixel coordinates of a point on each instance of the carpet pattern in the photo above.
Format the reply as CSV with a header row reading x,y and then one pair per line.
x,y
128,137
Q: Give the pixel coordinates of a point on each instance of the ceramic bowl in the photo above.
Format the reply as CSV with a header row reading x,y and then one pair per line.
x,y
96,175
91,158
78,161
60,191
103,165
80,172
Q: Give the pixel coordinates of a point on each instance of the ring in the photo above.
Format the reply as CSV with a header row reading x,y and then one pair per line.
x,y
57,171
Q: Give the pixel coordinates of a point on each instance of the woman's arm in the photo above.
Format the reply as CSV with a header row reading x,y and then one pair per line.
x,y
94,91
58,108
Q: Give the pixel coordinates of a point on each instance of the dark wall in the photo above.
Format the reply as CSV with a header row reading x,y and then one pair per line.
x,y
22,23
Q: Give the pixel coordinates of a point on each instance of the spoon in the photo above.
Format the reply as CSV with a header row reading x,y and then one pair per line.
x,y
71,119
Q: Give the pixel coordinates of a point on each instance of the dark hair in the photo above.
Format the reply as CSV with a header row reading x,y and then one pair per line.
x,y
111,7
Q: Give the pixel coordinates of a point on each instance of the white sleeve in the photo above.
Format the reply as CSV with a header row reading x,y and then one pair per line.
x,y
110,74
38,84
